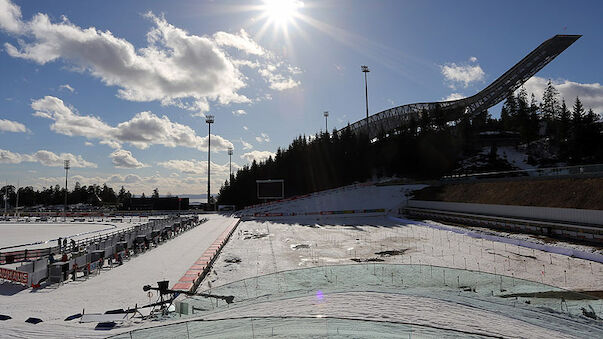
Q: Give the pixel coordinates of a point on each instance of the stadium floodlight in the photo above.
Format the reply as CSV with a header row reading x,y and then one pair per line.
x,y
209,119
66,167
326,114
230,150
365,70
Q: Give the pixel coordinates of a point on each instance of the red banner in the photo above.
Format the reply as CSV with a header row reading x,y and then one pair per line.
x,y
12,275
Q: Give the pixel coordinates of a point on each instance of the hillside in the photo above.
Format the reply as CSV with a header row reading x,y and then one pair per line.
x,y
585,193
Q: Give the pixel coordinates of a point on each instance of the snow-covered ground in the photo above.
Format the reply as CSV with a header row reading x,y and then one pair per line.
x,y
40,235
268,247
347,198
265,248
119,287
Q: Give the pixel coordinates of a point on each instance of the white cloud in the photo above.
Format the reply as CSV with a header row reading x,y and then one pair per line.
x,y
242,41
175,68
88,143
473,59
239,112
198,167
245,144
124,159
276,79
262,138
10,17
44,157
12,126
258,156
246,128
143,130
67,87
591,95
454,96
464,74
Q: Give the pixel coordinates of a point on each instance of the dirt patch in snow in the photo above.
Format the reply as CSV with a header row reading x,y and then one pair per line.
x,y
390,253
367,259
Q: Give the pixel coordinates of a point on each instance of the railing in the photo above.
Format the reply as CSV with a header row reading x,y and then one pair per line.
x,y
33,254
534,172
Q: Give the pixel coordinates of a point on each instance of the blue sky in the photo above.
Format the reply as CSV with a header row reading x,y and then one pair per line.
x,y
122,88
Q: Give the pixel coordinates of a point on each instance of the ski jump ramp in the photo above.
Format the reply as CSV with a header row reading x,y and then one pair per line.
x,y
388,121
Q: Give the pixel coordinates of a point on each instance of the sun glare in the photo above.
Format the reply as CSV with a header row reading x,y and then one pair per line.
x,y
281,12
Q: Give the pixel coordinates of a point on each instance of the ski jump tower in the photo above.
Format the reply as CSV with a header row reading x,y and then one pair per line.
x,y
390,120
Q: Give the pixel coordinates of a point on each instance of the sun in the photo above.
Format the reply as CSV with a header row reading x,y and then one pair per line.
x,y
281,12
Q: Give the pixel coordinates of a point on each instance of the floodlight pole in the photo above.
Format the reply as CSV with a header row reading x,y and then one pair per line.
x,y
17,202
230,150
6,199
326,114
366,70
66,167
209,120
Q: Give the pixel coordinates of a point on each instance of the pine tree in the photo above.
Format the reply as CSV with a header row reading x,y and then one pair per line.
x,y
550,103
578,112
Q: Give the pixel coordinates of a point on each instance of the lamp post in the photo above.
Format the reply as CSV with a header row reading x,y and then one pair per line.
x,y
365,70
66,167
209,120
230,164
326,114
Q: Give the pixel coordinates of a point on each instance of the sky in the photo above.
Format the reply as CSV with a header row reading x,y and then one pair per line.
x,y
122,89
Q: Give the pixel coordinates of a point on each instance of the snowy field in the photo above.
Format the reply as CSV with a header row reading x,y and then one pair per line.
x,y
119,287
41,235
265,248
268,247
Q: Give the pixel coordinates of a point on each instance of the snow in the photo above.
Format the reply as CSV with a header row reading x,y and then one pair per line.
x,y
354,197
336,241
303,268
271,253
119,287
514,157
46,234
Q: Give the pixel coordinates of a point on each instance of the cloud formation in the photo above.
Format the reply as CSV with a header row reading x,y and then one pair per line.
x,y
44,157
591,95
198,167
263,137
143,130
258,156
239,112
124,159
464,74
12,126
67,87
454,96
245,144
175,68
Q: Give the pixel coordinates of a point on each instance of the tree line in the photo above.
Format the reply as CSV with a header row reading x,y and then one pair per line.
x,y
426,148
55,195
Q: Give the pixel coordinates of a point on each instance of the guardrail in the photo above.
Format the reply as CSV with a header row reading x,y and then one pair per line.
x,y
572,171
114,247
590,233
9,257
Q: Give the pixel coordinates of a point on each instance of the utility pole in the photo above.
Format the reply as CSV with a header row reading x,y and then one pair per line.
x,y
326,114
230,150
365,70
67,167
209,120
